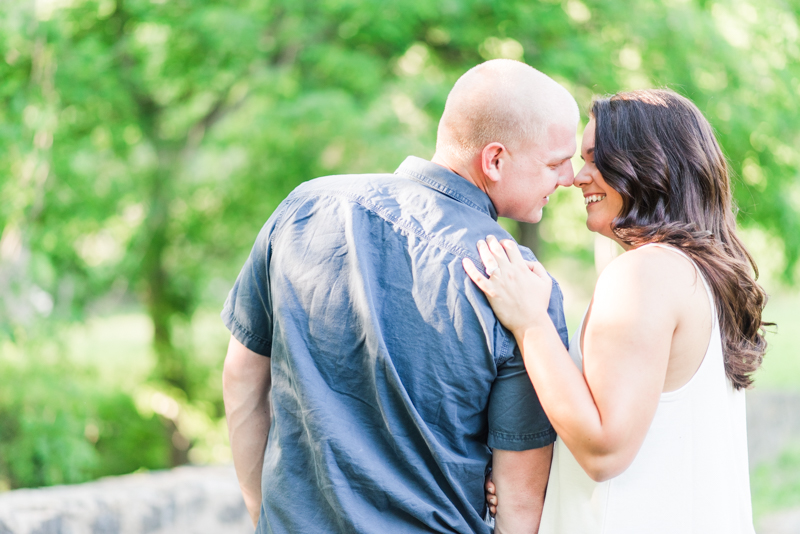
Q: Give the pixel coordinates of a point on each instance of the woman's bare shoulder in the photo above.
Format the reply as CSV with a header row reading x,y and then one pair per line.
x,y
647,263
648,273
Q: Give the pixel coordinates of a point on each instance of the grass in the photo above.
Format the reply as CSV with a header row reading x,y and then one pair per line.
x,y
781,367
775,485
118,349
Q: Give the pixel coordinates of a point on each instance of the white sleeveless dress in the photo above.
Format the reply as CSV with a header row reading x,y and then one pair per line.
x,y
690,476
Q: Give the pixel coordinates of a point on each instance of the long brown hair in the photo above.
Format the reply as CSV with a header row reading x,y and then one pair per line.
x,y
657,150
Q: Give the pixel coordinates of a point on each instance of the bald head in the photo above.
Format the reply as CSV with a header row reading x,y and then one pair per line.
x,y
503,101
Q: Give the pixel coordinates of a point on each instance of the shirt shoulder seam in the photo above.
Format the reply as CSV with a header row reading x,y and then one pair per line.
x,y
386,215
444,189
285,208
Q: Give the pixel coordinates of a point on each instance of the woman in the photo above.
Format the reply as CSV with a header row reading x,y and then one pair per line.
x,y
649,401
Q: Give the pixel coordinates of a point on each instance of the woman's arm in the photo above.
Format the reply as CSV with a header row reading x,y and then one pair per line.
x,y
603,414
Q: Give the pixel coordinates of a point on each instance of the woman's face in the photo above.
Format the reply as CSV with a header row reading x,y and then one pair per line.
x,y
603,204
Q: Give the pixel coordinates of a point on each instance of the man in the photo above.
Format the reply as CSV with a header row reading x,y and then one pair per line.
x,y
360,347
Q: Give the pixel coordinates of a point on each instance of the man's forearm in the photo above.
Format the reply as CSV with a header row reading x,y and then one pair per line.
x,y
245,388
248,427
520,479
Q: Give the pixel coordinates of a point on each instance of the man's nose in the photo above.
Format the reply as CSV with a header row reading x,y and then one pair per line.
x,y
567,177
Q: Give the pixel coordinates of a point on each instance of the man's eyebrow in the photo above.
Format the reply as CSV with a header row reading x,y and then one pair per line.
x,y
560,159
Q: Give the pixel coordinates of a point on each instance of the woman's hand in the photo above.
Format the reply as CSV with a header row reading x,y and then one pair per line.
x,y
491,496
518,291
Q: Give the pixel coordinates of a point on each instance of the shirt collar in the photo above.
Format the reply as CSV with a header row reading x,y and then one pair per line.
x,y
447,182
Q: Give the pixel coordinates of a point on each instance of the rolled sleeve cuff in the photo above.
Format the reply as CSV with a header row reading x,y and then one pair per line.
x,y
253,342
524,442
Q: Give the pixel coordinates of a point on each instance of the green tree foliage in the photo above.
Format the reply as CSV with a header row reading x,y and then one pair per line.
x,y
56,428
146,141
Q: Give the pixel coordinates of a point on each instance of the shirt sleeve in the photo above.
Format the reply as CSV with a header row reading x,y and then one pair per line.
x,y
517,421
248,309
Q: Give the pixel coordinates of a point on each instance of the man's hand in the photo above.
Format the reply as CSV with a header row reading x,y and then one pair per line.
x,y
246,382
520,480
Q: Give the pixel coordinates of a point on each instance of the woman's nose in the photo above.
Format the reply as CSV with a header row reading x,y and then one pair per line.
x,y
583,177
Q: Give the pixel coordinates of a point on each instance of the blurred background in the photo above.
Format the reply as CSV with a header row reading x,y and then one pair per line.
x,y
143,144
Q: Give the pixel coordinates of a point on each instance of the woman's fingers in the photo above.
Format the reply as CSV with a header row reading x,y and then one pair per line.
x,y
498,255
491,498
487,257
475,274
512,249
498,251
539,269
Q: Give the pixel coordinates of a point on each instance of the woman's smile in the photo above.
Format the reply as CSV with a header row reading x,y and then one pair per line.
x,y
602,202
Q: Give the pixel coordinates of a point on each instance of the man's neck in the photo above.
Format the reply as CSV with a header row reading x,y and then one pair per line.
x,y
471,175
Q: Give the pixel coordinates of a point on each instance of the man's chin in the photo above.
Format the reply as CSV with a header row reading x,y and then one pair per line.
x,y
532,218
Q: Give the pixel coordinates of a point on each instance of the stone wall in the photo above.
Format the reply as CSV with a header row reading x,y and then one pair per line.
x,y
185,500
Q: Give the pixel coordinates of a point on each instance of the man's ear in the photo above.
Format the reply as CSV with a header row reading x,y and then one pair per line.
x,y
493,161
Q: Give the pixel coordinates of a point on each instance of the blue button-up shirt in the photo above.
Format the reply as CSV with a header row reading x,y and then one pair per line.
x,y
391,376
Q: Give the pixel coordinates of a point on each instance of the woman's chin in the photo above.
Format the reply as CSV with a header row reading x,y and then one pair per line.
x,y
599,228
593,226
